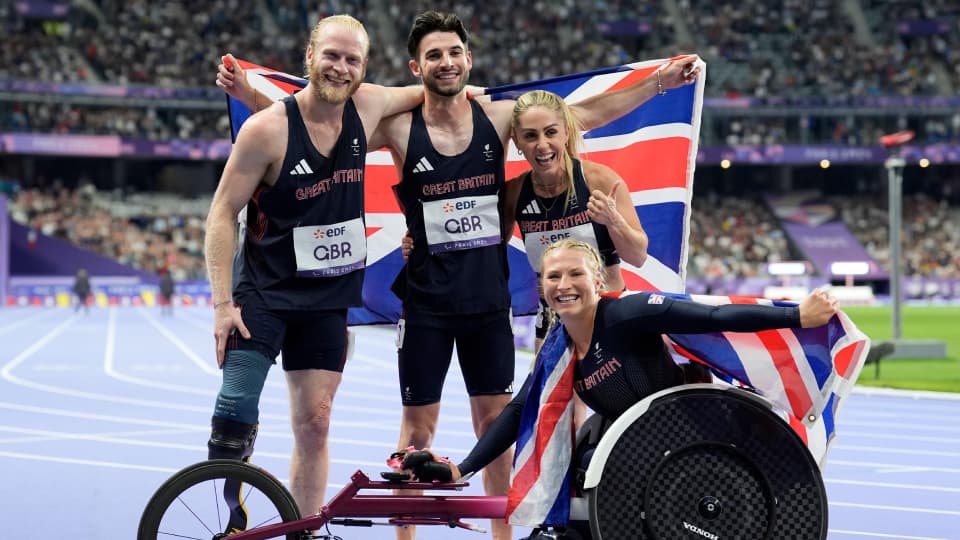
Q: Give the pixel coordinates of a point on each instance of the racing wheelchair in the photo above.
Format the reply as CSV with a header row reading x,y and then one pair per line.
x,y
698,461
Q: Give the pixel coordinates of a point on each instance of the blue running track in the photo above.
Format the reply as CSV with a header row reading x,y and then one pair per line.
x,y
98,409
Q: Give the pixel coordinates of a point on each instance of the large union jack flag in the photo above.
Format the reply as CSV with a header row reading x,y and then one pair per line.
x,y
653,148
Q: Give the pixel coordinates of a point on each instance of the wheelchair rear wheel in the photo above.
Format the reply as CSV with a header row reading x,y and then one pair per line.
x,y
705,461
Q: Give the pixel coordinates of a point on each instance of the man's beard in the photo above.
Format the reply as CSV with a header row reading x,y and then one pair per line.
x,y
325,91
430,83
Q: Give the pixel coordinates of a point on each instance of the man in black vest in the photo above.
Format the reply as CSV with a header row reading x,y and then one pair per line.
x,y
297,169
449,154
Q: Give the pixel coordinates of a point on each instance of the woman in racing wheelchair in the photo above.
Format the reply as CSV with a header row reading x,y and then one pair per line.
x,y
619,355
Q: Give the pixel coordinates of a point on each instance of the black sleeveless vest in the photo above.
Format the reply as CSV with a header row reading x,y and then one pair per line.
x,y
453,207
547,220
304,246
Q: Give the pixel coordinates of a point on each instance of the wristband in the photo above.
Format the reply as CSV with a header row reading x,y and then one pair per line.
x,y
218,304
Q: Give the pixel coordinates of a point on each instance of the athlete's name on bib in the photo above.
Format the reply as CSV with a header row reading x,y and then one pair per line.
x,y
461,184
342,176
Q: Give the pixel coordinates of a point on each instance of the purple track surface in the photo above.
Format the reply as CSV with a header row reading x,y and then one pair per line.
x,y
98,409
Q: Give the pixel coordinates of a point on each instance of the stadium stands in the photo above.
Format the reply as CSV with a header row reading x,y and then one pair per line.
x,y
796,72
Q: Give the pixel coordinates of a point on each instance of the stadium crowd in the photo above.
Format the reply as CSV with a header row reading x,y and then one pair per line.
x,y
154,238
829,50
930,233
729,236
148,123
735,237
820,50
795,51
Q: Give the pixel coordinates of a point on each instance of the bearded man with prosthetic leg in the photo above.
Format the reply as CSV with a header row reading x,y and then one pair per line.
x,y
296,170
233,427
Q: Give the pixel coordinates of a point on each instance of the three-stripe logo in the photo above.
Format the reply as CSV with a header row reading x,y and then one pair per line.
x,y
302,168
422,166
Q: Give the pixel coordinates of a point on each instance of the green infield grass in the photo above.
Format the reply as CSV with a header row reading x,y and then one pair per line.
x,y
918,322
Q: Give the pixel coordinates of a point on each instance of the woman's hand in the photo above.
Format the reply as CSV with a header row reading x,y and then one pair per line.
x,y
817,309
426,466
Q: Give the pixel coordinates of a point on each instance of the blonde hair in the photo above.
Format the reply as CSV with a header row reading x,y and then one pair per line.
x,y
594,262
345,21
555,103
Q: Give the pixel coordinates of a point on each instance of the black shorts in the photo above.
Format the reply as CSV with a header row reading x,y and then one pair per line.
x,y
425,347
308,339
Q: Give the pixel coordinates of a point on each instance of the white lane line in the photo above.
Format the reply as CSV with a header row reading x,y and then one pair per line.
x,y
97,463
26,321
914,394
205,428
7,371
883,535
892,427
902,437
47,435
206,365
109,366
888,508
204,410
128,466
892,485
891,467
899,451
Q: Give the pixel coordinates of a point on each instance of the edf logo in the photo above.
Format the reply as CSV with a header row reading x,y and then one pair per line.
x,y
548,239
459,205
329,233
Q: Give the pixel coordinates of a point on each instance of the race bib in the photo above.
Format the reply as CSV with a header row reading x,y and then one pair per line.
x,y
537,242
463,223
330,250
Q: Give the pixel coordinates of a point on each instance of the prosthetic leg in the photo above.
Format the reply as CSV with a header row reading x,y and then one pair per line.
x,y
230,439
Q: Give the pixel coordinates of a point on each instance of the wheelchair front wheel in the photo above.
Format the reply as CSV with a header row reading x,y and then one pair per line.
x,y
191,504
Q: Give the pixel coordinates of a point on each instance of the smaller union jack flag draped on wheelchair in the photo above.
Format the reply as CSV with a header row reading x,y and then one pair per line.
x,y
653,148
806,372
540,481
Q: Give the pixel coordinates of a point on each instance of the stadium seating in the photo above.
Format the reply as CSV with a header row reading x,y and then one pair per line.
x,y
825,59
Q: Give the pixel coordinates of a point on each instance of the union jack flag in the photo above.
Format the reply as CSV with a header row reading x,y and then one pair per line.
x,y
653,149
806,372
540,480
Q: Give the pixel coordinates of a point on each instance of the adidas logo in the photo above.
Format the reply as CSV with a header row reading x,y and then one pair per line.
x,y
532,208
302,168
423,166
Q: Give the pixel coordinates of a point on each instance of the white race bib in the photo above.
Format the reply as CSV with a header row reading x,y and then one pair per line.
x,y
330,250
463,223
537,242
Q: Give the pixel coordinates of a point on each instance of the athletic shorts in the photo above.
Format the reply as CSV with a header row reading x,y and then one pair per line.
x,y
425,347
307,339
